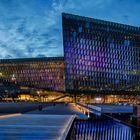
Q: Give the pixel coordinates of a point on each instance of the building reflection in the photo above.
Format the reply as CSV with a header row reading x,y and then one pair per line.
x,y
103,130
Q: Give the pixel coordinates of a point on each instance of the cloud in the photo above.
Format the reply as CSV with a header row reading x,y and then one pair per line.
x,y
33,28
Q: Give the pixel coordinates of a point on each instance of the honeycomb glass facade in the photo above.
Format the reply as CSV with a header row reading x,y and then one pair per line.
x,y
44,73
100,55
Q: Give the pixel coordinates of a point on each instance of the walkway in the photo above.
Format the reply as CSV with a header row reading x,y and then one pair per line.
x,y
107,108
35,127
61,109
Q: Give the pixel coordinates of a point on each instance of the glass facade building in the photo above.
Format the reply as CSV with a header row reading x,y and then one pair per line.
x,y
100,55
43,73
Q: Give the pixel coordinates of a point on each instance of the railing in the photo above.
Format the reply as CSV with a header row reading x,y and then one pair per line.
x,y
95,107
91,108
60,97
102,129
68,128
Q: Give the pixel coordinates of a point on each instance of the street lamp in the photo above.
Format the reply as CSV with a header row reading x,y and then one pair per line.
x,y
14,78
1,74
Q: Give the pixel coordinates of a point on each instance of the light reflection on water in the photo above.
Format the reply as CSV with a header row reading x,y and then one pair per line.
x,y
103,130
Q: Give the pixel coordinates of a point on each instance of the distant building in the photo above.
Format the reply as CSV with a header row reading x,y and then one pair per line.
x,y
42,73
100,56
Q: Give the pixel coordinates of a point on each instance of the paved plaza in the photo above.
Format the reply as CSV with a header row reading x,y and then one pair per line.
x,y
60,109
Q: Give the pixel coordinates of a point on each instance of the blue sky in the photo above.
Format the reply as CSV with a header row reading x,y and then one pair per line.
x,y
32,28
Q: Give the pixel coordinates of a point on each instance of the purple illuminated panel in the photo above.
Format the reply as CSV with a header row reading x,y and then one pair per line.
x,y
99,55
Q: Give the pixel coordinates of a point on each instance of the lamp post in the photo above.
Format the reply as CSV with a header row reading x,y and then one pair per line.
x,y
13,79
38,92
1,76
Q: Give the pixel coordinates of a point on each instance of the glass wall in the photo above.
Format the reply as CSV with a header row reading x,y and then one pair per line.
x,y
44,73
100,55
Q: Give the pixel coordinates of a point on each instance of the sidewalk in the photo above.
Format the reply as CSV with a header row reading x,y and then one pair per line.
x,y
60,109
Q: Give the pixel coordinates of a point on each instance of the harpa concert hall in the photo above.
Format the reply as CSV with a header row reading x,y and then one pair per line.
x,y
101,58
28,78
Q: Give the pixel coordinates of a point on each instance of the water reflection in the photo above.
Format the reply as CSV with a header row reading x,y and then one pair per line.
x,y
103,130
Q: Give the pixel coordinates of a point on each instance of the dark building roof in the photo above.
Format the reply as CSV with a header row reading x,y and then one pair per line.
x,y
103,22
30,59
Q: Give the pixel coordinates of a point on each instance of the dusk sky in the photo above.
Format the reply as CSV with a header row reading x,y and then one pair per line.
x,y
32,28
